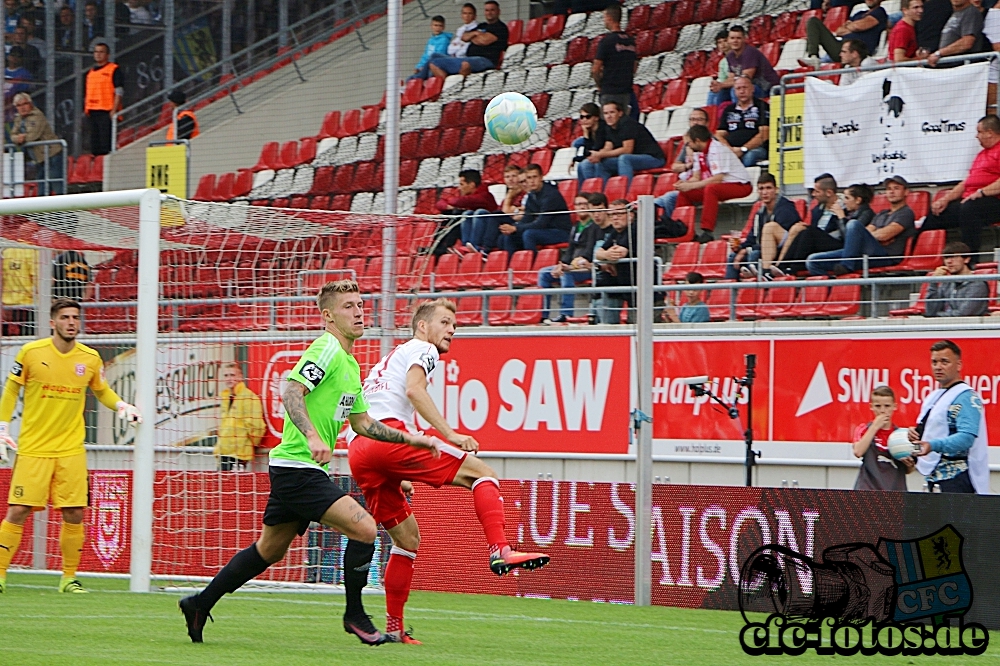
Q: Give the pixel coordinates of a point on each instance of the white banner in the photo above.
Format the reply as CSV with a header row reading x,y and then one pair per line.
x,y
914,122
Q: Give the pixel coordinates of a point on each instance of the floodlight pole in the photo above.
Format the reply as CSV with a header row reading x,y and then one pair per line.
x,y
147,312
642,417
387,301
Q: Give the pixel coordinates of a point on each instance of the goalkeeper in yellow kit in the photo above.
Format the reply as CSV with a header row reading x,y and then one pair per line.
x,y
51,461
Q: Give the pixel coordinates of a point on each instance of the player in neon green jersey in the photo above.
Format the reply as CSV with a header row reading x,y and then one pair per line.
x,y
324,390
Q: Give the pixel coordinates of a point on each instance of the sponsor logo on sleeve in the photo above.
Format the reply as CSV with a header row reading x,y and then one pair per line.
x,y
17,369
313,373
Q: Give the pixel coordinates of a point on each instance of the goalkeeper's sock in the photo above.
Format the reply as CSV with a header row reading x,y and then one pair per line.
x,y
245,565
10,539
398,575
357,561
71,545
489,508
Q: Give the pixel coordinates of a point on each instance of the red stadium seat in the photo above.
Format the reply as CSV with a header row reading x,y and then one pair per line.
x,y
299,201
664,183
779,299
713,260
615,188
499,310
919,308
705,12
644,42
493,167
836,17
683,214
638,18
364,178
666,40
520,266
592,185
747,301
340,202
350,123
97,170
280,202
425,202
567,188
470,311
576,51
243,183
494,273
660,16
784,27
592,49
694,65
411,91
729,9
684,261
760,29
428,143
542,158
802,208
468,271
771,51
532,31
268,157
446,272
843,301
561,134
472,139
408,172
920,202
554,26
514,30
926,253
541,102
472,112
343,179
224,187
528,310
650,97
675,93
641,184
451,114
682,14
331,125
322,180
320,202
451,137
432,88
369,119
206,188
800,31
408,143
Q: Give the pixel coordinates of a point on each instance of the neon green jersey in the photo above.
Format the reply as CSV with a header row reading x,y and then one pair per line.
x,y
334,382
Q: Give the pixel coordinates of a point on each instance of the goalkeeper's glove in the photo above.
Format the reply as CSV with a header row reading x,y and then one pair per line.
x,y
128,412
6,441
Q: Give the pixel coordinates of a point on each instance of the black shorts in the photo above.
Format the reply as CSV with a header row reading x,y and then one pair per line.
x,y
299,494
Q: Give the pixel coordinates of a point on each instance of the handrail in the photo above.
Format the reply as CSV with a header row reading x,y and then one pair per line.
x,y
22,147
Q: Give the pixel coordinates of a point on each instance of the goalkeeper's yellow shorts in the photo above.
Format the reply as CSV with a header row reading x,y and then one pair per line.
x,y
36,480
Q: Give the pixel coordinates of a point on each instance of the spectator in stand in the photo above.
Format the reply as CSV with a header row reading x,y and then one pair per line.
x,y
866,25
487,44
973,203
30,125
65,29
775,216
241,423
626,147
31,22
187,122
31,58
963,32
11,16
903,45
883,241
957,299
139,14
936,14
615,254
481,231
829,220
105,88
717,94
17,79
93,24
746,60
545,220
991,35
720,177
744,125
854,54
592,125
684,166
574,264
70,276
458,47
473,196
437,43
616,60
19,272
694,310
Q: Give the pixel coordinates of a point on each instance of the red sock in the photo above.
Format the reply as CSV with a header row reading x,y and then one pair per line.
x,y
398,575
489,509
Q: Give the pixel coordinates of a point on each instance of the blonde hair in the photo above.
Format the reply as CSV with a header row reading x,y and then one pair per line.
x,y
427,308
22,97
330,289
884,392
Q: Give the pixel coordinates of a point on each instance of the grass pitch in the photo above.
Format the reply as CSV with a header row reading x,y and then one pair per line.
x,y
112,626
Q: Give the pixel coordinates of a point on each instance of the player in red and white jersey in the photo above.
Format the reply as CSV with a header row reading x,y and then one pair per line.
x,y
396,391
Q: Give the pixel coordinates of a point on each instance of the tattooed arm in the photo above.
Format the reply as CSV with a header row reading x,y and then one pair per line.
x,y
369,427
294,402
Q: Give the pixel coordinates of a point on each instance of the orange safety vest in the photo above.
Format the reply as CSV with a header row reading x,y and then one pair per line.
x,y
184,114
100,88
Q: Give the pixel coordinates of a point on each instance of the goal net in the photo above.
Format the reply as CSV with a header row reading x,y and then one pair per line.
x,y
236,288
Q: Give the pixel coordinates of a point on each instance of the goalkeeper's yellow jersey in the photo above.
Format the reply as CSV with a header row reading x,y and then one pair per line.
x,y
55,392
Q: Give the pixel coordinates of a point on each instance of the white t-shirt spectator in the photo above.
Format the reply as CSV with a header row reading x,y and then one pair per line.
x,y
722,160
457,48
849,77
991,31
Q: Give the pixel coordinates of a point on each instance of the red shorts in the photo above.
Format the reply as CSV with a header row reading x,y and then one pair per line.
x,y
379,467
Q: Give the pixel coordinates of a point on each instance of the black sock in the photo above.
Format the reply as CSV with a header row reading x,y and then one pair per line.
x,y
244,566
357,560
